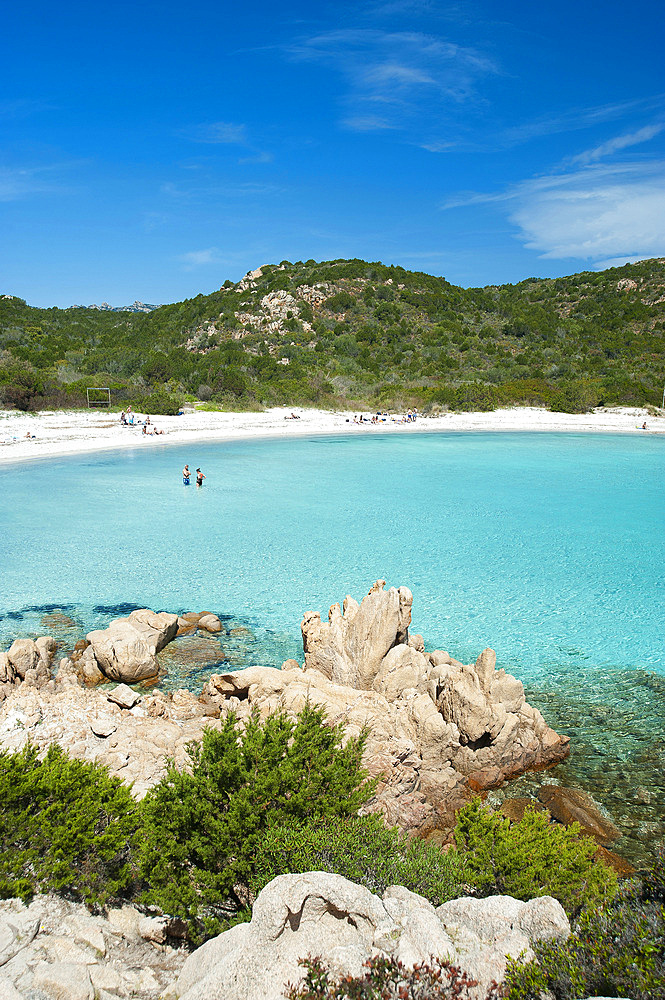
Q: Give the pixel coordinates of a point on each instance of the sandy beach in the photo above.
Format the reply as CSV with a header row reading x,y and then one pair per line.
x,y
71,432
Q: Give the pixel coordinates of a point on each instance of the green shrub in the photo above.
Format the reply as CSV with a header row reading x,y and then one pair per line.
x,y
159,403
616,949
386,978
65,827
202,831
364,850
532,858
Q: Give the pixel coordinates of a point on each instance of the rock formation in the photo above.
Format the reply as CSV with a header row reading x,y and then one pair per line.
x,y
345,924
57,949
438,729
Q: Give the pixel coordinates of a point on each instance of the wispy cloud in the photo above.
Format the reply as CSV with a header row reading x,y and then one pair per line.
x,y
23,182
599,212
219,133
620,142
411,75
577,119
201,258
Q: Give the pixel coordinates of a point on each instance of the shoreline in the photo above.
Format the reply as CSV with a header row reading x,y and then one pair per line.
x,y
76,432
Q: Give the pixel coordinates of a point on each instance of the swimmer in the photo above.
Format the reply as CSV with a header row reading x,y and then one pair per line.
x,y
199,477
185,475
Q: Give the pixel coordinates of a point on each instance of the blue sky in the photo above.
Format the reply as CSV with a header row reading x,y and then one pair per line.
x,y
153,150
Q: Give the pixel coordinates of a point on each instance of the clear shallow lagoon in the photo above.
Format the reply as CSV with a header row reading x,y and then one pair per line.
x,y
548,547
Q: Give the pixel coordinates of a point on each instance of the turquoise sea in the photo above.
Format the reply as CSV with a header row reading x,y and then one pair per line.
x,y
548,547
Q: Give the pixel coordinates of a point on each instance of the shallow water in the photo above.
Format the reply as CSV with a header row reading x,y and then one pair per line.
x,y
548,547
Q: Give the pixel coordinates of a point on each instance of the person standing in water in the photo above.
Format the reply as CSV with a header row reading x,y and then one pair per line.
x,y
186,475
199,477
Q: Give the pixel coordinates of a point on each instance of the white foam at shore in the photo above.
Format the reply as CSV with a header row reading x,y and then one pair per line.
x,y
70,432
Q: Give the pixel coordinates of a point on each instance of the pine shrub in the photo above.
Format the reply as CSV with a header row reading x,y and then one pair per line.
x,y
532,858
202,829
66,827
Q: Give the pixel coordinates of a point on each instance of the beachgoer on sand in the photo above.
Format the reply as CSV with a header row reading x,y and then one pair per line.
x,y
199,477
185,475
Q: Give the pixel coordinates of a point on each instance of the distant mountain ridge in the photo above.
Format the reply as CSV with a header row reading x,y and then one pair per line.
x,y
353,334
136,307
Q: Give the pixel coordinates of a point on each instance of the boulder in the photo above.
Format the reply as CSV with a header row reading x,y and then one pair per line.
x,y
7,672
570,805
127,650
23,655
325,915
210,623
123,696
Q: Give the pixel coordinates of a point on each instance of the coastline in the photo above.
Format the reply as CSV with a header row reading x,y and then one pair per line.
x,y
72,432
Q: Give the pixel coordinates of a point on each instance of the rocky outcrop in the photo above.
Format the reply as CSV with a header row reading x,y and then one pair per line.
x,y
321,914
439,730
57,949
127,650
132,734
350,647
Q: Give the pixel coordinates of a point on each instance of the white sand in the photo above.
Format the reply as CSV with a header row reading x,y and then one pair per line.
x,y
78,431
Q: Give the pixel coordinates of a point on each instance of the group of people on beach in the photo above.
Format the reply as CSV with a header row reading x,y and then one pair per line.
x,y
382,418
186,476
127,420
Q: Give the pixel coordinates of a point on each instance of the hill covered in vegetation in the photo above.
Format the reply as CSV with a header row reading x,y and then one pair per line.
x,y
353,334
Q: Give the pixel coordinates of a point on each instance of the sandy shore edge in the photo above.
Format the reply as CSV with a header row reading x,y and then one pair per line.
x,y
73,432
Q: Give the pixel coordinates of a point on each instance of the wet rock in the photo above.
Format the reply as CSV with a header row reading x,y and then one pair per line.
x,y
570,805
210,623
623,868
514,808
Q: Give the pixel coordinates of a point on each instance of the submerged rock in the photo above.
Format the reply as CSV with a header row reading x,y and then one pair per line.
x,y
571,805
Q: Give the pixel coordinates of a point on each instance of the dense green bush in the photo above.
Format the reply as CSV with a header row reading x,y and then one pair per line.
x,y
534,857
158,403
202,831
65,827
386,978
616,949
364,850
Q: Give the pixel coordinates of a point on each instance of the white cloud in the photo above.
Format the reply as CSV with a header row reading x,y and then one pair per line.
x,y
598,212
602,265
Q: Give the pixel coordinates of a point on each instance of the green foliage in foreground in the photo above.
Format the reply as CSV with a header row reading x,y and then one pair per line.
x,y
386,978
65,827
616,949
202,831
364,850
532,858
